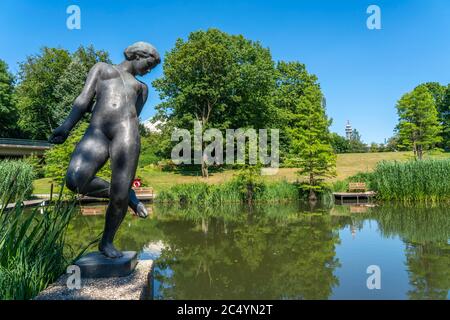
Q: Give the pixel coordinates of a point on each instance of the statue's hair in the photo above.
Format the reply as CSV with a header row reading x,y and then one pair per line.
x,y
141,49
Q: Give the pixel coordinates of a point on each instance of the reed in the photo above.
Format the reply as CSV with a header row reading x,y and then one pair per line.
x,y
232,191
33,252
16,179
413,181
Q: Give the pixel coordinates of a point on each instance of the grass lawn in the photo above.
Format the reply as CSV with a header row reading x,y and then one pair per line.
x,y
347,165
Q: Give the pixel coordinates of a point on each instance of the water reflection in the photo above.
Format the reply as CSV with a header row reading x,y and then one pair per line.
x,y
287,251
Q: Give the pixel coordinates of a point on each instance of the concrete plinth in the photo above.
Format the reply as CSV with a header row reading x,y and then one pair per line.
x,y
136,286
96,265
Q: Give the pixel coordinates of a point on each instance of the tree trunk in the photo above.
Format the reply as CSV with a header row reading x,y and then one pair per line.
x,y
415,149
204,169
312,193
419,152
312,196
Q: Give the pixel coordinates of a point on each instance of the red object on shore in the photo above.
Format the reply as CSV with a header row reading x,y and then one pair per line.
x,y
137,183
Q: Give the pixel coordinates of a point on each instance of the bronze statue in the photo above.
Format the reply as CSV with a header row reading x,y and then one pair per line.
x,y
115,98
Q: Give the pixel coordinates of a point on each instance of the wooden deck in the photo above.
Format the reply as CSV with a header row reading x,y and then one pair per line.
x,y
143,194
29,203
354,195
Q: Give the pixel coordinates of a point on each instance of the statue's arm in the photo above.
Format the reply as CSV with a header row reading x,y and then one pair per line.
x,y
142,98
81,105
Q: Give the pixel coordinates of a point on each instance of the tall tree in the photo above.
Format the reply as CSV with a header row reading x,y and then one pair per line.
x,y
418,125
339,143
49,82
71,81
444,117
356,143
8,109
305,122
442,101
221,80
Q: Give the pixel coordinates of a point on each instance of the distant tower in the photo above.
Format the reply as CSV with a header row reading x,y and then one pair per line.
x,y
348,131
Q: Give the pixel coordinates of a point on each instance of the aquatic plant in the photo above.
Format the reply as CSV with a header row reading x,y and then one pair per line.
x,y
16,179
422,181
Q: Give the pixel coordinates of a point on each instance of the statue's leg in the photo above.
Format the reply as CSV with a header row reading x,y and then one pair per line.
x,y
89,156
124,153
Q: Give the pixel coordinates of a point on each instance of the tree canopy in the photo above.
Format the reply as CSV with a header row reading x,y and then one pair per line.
x,y
303,119
48,84
418,125
8,108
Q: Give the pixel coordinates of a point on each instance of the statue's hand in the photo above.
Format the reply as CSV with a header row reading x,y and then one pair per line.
x,y
58,136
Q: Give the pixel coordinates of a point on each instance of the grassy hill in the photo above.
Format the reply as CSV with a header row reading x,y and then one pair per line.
x,y
347,165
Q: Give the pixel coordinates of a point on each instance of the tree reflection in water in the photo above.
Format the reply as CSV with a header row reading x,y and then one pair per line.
x,y
286,251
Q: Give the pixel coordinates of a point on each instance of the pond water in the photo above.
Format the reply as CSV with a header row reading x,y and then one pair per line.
x,y
286,251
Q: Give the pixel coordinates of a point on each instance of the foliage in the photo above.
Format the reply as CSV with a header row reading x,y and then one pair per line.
x,y
356,145
155,147
8,108
245,188
58,157
306,124
32,245
49,83
223,81
37,163
249,183
32,249
17,180
418,125
339,143
444,116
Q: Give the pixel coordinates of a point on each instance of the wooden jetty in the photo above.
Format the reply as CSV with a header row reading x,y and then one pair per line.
x,y
143,194
342,196
29,203
357,191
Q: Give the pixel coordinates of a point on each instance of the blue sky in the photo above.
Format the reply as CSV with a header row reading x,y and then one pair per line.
x,y
362,72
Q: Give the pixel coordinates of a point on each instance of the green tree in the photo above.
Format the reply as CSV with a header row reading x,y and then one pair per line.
x,y
393,144
221,80
8,109
38,76
356,143
49,82
418,125
71,81
305,122
442,102
339,143
444,117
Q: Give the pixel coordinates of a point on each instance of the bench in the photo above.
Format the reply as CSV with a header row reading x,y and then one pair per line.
x,y
357,186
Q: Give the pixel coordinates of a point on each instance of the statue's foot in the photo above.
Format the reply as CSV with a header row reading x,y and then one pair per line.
x,y
110,251
139,210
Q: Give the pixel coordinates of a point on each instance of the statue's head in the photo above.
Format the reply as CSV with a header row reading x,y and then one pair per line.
x,y
143,56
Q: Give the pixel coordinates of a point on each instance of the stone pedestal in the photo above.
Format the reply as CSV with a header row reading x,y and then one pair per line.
x,y
96,265
135,286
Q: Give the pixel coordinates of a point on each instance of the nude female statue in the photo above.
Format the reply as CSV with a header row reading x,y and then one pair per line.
x,y
113,133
